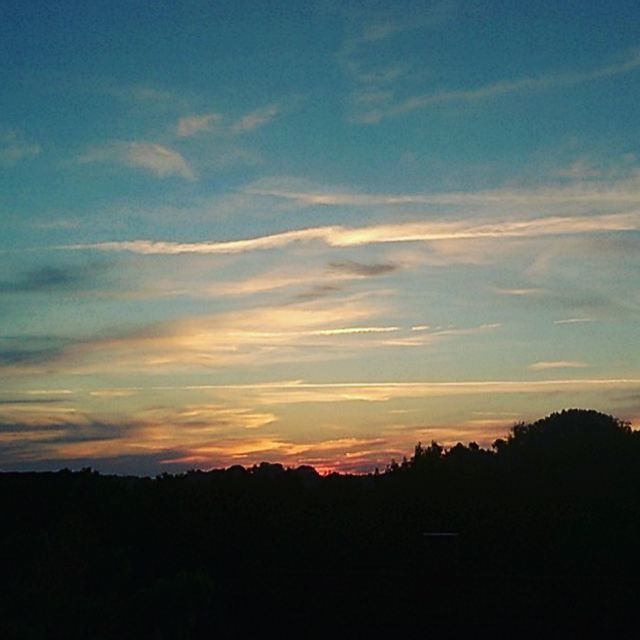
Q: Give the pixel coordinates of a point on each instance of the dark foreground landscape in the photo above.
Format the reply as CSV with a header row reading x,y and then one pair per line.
x,y
540,534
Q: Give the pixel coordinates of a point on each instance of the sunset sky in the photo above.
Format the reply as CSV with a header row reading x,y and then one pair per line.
x,y
312,232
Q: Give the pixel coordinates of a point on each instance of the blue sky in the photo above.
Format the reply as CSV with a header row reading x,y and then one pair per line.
x,y
235,232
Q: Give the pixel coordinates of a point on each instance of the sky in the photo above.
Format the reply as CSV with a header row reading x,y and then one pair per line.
x,y
312,232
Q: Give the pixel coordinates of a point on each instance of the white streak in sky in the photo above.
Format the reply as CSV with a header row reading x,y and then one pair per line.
x,y
339,236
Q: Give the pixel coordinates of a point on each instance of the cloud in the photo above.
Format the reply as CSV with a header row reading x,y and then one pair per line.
x,y
255,119
302,281
520,293
307,331
557,364
44,433
374,32
312,332
144,94
30,356
228,131
148,156
431,231
289,333
29,436
302,392
112,393
54,278
373,75
200,420
270,281
240,424
349,331
423,335
318,292
28,401
615,193
206,436
15,148
294,391
156,159
573,320
361,269
190,125
501,88
44,392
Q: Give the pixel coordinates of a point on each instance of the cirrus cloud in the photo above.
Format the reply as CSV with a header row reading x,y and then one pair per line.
x,y
14,148
190,125
429,231
149,156
557,364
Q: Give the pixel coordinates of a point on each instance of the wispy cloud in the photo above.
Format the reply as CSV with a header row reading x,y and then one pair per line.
x,y
190,125
432,231
520,293
25,435
227,127
14,147
292,333
361,269
386,390
622,192
31,352
159,160
423,335
306,331
244,423
317,292
143,94
148,156
557,364
255,119
28,401
501,88
302,392
573,321
271,280
203,435
375,75
343,331
353,57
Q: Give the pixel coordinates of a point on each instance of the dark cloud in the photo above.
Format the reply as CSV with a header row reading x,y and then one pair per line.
x,y
31,350
36,447
67,432
363,269
55,278
575,301
13,401
28,356
43,350
317,292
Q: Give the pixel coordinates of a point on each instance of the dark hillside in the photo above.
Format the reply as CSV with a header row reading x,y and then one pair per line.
x,y
451,540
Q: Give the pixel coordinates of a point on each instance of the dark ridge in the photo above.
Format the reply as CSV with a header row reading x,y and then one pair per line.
x,y
538,534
